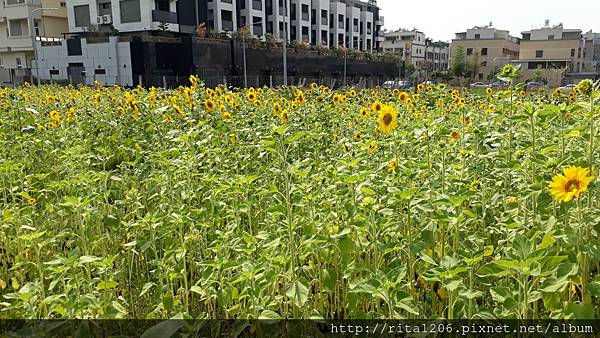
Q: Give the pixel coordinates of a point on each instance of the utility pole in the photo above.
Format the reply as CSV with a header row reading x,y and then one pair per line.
x,y
285,33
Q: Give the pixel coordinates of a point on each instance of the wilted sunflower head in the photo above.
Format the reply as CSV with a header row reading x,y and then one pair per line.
x,y
585,87
570,184
454,136
392,166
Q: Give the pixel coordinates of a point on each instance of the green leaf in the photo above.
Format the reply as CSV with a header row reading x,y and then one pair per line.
x,y
146,288
165,329
501,293
88,259
269,316
107,285
298,293
579,311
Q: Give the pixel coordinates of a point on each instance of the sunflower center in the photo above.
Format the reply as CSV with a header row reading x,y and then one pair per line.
x,y
387,119
572,185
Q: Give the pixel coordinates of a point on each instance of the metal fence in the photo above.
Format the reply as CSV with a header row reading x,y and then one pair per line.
x,y
10,77
169,81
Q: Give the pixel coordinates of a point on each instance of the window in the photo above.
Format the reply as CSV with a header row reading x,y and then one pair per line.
x,y
477,36
82,15
484,64
16,27
130,11
36,27
19,64
539,54
54,72
484,51
550,37
572,52
1,64
100,71
227,20
469,51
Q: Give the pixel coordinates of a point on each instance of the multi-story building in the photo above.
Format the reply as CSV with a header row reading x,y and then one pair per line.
x,y
436,55
353,24
487,50
591,53
409,44
553,50
19,19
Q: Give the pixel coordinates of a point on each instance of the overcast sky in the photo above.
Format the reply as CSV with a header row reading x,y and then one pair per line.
x,y
440,19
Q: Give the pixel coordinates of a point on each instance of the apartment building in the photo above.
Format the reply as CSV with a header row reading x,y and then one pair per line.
x,y
551,49
409,44
436,55
591,53
19,19
487,47
353,24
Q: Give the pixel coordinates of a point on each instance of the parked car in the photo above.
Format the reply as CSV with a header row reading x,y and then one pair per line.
x,y
478,85
396,84
536,86
497,85
567,89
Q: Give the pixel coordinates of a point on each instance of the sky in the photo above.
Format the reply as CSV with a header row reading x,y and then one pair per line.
x,y
440,19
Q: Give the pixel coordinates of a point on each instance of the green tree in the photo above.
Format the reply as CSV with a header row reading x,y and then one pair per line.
x,y
459,62
538,76
474,66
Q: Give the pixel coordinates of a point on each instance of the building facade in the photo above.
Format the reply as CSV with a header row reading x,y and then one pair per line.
x,y
487,50
409,44
550,52
436,55
591,53
19,19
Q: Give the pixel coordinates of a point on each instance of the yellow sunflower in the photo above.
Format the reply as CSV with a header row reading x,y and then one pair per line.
x,y
488,90
392,166
420,87
209,105
570,184
251,96
388,119
377,106
403,96
358,136
364,113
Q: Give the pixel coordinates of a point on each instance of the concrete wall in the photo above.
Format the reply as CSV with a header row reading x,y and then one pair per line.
x,y
94,56
496,54
553,49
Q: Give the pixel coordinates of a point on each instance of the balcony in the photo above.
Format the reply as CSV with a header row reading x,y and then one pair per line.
x,y
164,16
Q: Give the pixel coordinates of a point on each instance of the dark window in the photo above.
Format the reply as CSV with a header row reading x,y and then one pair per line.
x,y
539,53
469,51
54,72
99,71
74,46
572,52
82,15
484,51
550,37
130,11
477,36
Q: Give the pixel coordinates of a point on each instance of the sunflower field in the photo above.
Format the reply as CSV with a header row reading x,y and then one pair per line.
x,y
293,202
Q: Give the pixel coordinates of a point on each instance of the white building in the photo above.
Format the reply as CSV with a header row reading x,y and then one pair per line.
x,y
19,19
122,15
409,44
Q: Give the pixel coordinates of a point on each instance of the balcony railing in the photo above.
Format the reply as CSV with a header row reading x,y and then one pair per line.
x,y
164,16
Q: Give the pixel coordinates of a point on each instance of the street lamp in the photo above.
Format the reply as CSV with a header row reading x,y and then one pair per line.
x,y
32,34
285,32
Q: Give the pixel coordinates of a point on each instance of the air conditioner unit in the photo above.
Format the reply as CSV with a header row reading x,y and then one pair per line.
x,y
99,20
107,19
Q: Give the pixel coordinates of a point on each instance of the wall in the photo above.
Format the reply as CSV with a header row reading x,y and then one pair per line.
x,y
93,55
553,49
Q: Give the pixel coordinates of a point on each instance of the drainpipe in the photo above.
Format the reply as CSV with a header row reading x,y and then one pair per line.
x,y
117,61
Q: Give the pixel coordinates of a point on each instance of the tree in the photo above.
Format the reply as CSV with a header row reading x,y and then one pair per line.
x,y
474,66
538,76
409,68
459,63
